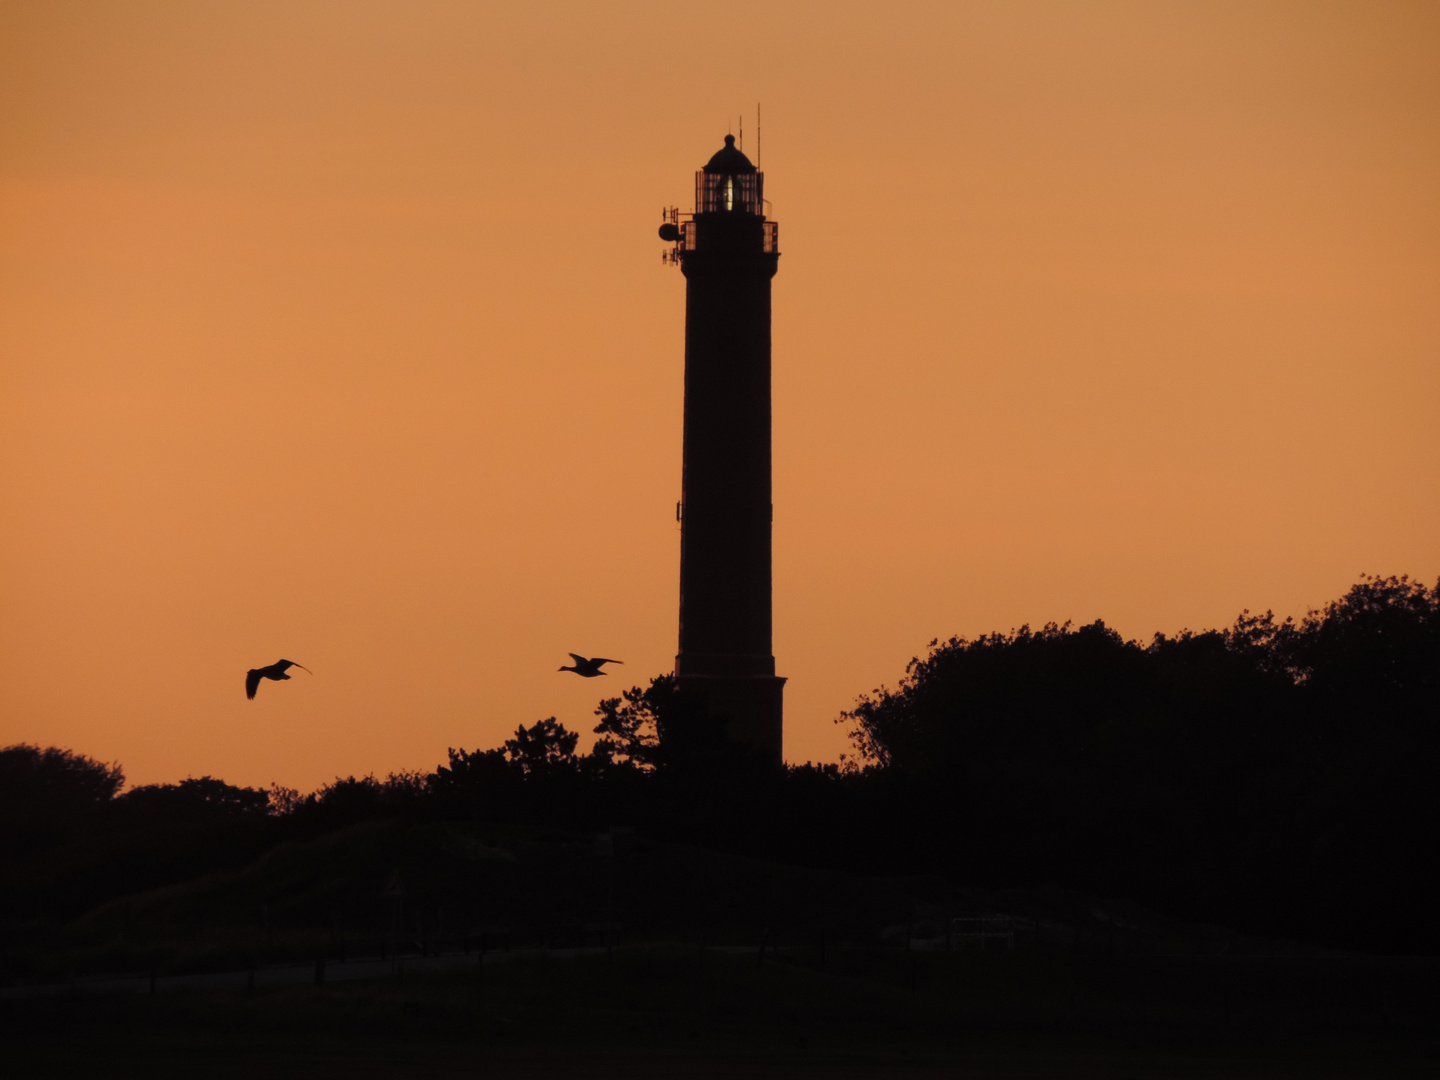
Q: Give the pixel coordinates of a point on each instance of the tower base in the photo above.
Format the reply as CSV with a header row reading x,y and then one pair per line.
x,y
752,706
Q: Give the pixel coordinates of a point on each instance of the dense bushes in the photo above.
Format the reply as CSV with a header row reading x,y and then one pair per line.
x,y
1275,775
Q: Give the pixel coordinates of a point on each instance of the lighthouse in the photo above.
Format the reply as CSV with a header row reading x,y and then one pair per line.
x,y
728,252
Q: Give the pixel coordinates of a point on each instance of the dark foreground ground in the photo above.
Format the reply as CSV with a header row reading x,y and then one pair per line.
x,y
680,1010
576,955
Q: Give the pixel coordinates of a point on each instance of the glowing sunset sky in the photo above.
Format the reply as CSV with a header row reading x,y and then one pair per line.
x,y
340,332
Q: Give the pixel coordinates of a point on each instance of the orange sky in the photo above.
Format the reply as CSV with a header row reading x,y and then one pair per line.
x,y
340,332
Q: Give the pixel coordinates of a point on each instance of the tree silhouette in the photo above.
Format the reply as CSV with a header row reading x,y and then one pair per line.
x,y
45,794
51,778
193,800
630,725
543,749
662,728
1374,654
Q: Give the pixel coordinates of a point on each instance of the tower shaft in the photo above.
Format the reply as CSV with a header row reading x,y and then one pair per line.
x,y
728,255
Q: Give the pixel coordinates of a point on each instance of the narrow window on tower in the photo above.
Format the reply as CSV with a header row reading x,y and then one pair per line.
x,y
729,193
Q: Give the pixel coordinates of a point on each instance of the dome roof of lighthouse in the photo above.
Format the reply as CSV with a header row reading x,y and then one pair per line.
x,y
729,160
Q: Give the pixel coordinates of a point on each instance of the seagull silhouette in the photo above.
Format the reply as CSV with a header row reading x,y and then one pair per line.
x,y
274,671
588,669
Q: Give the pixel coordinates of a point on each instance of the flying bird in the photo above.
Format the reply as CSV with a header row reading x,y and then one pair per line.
x,y
588,669
274,671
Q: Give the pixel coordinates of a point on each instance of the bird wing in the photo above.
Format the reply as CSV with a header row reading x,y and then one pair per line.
x,y
292,663
252,681
578,658
601,660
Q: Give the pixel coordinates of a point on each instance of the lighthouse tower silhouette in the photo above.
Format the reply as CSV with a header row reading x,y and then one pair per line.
x,y
728,253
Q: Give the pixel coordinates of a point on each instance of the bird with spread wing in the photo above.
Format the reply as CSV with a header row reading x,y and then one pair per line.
x,y
588,669
275,671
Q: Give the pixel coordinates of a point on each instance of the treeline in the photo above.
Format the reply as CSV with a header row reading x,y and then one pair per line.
x,y
1279,777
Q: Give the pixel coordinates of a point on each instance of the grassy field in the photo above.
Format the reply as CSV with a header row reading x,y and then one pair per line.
x,y
858,976
675,1010
466,883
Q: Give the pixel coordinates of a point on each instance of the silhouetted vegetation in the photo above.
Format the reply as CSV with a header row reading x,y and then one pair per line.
x,y
1277,776
47,795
